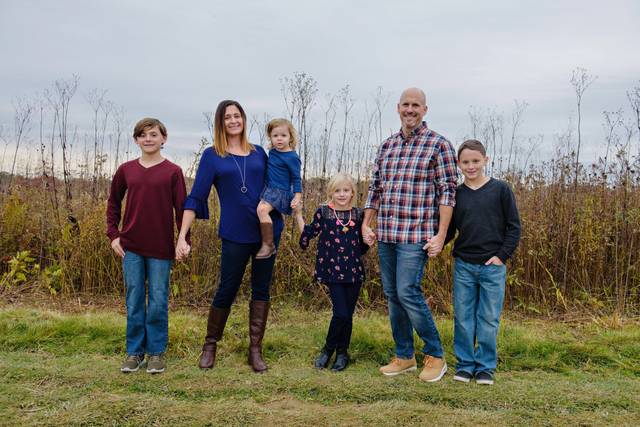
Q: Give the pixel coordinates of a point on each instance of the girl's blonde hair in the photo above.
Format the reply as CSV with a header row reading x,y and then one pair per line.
x,y
220,133
283,122
335,181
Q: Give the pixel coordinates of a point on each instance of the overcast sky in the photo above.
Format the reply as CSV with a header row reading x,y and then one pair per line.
x,y
174,60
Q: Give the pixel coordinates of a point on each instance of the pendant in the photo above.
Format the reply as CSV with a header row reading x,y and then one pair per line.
x,y
243,189
345,228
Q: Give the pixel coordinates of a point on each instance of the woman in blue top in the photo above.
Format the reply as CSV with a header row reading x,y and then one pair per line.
x,y
237,170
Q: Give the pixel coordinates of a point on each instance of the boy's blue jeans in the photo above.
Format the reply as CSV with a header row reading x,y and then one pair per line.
x,y
147,324
478,295
401,268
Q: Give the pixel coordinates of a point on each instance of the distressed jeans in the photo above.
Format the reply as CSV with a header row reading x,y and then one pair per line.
x,y
147,322
401,269
478,296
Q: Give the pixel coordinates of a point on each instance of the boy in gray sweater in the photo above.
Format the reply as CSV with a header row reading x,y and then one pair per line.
x,y
488,226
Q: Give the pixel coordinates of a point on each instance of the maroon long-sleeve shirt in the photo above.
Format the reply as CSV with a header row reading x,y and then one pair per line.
x,y
153,195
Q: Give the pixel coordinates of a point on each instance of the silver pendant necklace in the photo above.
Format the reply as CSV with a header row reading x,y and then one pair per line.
x,y
243,175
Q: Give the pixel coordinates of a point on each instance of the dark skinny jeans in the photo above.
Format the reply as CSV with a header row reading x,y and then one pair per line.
x,y
233,261
343,298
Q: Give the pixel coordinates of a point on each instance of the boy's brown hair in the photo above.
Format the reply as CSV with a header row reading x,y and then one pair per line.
x,y
283,122
472,144
148,123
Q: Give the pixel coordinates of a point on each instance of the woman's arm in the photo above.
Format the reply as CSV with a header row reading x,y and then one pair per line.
x,y
296,180
182,247
299,219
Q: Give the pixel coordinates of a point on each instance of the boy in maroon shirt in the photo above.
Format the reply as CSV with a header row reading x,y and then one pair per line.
x,y
155,189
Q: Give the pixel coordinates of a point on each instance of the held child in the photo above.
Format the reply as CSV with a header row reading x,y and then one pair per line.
x,y
488,225
338,263
283,187
155,189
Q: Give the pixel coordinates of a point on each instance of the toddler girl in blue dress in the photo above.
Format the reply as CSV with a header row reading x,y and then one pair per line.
x,y
283,187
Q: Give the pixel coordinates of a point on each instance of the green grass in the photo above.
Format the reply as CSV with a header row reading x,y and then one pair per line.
x,y
62,369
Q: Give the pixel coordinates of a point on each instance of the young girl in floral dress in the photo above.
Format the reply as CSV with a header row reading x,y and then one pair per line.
x,y
338,263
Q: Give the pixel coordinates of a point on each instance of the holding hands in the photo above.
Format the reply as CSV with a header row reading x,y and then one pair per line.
x,y
368,235
296,202
182,248
434,245
297,214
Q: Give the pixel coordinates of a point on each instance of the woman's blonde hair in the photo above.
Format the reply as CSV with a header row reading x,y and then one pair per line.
x,y
335,181
220,143
283,122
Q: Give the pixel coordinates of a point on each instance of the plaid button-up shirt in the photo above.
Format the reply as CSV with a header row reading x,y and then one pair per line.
x,y
411,177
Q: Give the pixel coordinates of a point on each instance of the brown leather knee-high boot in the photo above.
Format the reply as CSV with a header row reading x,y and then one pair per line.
x,y
215,326
258,311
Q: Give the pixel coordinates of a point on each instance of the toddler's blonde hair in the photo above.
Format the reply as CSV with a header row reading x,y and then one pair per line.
x,y
283,122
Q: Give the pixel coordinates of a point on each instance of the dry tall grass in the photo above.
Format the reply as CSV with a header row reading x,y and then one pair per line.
x,y
579,247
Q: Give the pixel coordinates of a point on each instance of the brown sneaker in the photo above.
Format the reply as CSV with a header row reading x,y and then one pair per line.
x,y
132,363
156,364
434,369
398,366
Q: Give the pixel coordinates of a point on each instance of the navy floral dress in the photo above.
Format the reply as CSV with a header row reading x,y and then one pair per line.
x,y
340,247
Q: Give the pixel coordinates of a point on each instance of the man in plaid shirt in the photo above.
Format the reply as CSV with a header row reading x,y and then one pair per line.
x,y
413,192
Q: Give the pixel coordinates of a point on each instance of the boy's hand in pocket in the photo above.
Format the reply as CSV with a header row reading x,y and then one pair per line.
x,y
494,260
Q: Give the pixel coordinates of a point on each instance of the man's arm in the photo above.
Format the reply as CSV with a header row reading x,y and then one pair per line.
x,y
373,200
446,181
368,235
436,243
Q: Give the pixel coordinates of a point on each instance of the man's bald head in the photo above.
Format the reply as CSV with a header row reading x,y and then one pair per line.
x,y
413,92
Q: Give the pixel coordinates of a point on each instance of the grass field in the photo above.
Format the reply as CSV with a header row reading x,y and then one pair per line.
x,y
62,368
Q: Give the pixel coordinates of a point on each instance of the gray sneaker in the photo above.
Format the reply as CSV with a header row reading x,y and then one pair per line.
x,y
132,363
156,364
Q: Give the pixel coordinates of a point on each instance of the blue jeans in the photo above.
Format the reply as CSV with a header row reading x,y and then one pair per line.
x,y
147,324
401,268
478,295
233,261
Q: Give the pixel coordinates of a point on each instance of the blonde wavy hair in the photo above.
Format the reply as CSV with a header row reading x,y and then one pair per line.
x,y
283,122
